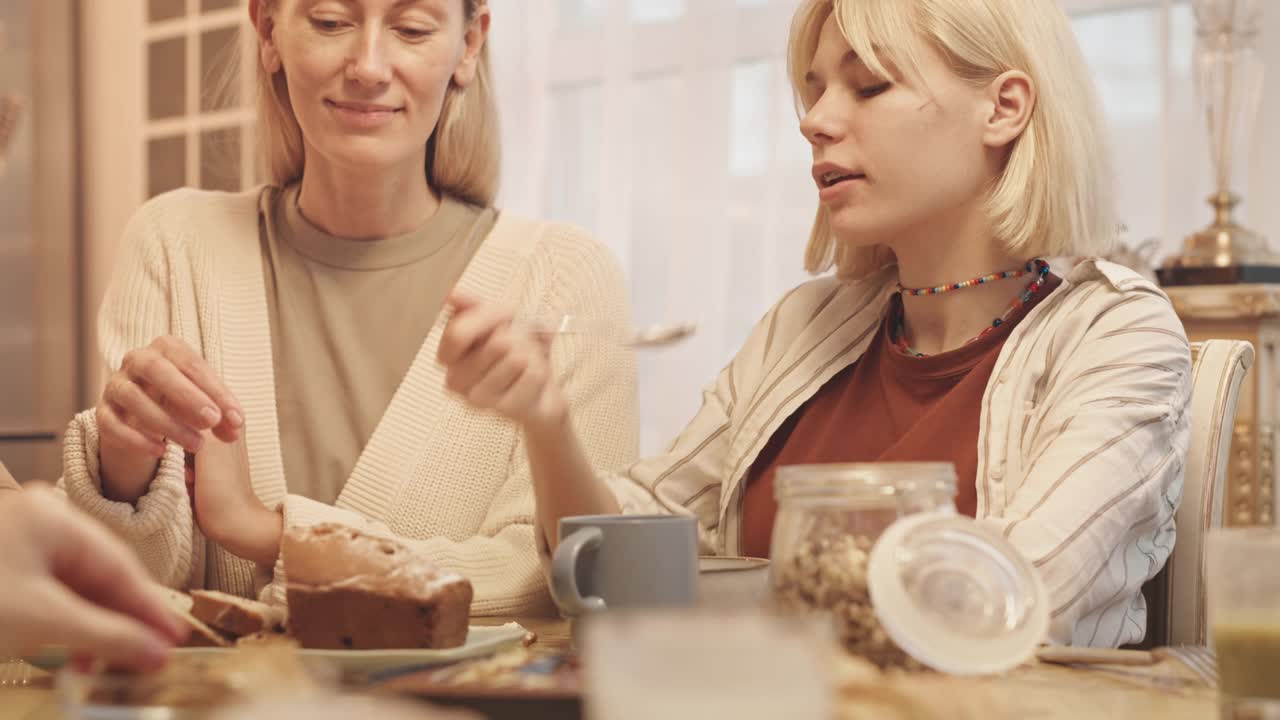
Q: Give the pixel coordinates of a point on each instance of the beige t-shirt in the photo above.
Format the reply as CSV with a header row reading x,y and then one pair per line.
x,y
347,319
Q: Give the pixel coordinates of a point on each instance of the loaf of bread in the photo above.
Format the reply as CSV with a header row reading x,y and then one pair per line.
x,y
234,615
350,590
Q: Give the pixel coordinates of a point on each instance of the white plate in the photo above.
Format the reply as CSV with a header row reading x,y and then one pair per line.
x,y
481,641
725,563
732,582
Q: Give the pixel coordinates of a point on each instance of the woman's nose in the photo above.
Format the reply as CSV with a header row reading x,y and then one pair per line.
x,y
821,126
368,64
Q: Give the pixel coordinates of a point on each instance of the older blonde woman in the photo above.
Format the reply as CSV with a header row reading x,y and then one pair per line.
x,y
283,341
956,143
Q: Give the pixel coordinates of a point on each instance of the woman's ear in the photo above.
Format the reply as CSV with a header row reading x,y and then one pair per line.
x,y
477,35
264,25
1010,101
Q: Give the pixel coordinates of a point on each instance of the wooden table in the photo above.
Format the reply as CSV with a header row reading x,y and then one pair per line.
x,y
1033,691
1036,691
33,702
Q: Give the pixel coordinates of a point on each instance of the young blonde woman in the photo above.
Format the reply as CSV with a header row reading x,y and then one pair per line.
x,y
956,144
282,342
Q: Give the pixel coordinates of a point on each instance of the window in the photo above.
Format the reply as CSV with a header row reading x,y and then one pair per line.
x,y
199,118
1141,56
666,129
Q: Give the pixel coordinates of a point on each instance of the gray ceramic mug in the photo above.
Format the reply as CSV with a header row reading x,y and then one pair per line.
x,y
625,561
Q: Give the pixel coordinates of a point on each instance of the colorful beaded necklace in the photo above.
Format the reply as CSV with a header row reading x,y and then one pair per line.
x,y
939,289
1037,267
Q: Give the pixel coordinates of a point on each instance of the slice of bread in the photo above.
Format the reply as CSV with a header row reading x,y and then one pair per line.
x,y
204,636
234,615
201,634
348,590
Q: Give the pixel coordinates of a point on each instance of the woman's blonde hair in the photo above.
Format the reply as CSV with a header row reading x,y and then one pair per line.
x,y
1054,196
463,152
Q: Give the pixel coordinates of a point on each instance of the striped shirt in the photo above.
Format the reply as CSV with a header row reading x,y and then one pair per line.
x,y
1081,444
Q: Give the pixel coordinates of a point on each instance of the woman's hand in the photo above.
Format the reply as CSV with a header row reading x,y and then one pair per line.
x,y
67,581
498,367
164,391
227,510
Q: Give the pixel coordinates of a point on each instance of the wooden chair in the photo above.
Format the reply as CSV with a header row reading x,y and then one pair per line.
x,y
1175,597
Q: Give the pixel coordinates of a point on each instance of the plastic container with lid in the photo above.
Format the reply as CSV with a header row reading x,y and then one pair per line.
x,y
908,580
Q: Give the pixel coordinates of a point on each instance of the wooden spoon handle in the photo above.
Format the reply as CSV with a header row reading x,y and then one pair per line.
x,y
1063,655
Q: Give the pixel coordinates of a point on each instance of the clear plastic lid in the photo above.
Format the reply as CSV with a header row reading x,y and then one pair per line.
x,y
957,597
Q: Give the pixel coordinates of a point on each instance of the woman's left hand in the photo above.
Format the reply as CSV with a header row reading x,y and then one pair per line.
x,y
227,509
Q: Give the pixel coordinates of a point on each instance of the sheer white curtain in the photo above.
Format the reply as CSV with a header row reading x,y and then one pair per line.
x,y
1141,56
666,129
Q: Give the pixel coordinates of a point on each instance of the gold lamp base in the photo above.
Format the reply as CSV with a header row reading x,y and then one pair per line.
x,y
1222,253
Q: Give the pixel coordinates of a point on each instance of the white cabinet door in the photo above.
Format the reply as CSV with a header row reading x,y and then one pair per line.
x,y
38,376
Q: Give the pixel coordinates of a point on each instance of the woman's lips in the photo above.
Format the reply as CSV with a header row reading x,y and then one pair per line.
x,y
362,115
841,189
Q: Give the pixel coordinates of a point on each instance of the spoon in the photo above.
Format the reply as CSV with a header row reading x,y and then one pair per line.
x,y
647,336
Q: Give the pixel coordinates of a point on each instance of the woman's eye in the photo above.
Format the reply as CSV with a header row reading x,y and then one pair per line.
x,y
327,25
874,90
410,33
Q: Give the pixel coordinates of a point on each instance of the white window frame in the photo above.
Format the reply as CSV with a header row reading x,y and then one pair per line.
x,y
195,121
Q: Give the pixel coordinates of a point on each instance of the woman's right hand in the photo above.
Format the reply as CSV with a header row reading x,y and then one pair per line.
x,y
69,581
502,368
498,367
164,391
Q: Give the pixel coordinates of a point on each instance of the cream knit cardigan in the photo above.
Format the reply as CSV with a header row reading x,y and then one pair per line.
x,y
452,481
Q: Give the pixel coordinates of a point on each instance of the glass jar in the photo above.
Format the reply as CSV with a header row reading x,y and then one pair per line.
x,y
907,581
863,497
829,518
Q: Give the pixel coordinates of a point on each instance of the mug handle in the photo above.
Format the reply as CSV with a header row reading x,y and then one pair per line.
x,y
564,573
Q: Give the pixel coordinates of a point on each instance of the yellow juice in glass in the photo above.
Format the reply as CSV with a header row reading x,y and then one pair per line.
x,y
1248,650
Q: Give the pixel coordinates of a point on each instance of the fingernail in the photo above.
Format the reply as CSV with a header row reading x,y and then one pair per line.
x,y
237,420
155,654
176,628
210,416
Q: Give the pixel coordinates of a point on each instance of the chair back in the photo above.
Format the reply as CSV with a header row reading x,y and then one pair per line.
x,y
1176,597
